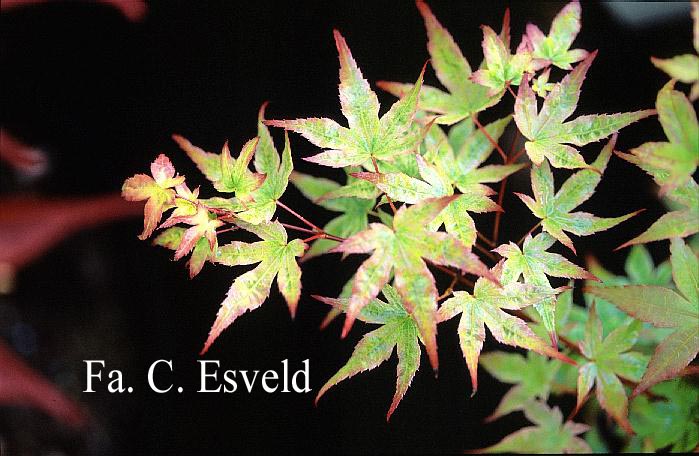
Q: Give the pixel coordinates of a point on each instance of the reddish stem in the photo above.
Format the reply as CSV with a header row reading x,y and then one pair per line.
x,y
528,233
485,252
485,239
498,214
298,216
298,228
519,153
490,138
453,274
376,169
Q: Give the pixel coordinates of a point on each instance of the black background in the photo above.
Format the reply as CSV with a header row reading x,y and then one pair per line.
x,y
103,95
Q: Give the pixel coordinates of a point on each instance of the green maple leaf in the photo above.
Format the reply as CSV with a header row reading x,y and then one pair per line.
x,y
534,264
675,161
674,421
554,208
485,308
501,69
367,137
157,191
665,308
465,97
401,249
532,377
228,174
672,164
685,67
354,217
608,360
550,435
276,258
398,330
547,133
554,48
451,170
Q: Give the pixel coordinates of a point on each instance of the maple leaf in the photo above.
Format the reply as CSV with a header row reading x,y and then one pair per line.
x,y
367,137
674,162
532,377
465,97
398,330
501,69
354,217
550,435
546,132
608,360
171,238
685,67
554,48
541,84
157,190
451,169
673,421
554,209
401,250
276,258
534,263
228,174
664,308
485,308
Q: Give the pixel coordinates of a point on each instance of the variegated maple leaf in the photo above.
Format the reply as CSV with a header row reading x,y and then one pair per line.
x,y
403,249
547,133
554,208
368,136
465,97
550,435
157,190
665,308
486,307
451,169
354,217
276,256
171,238
608,360
228,174
501,69
398,330
534,263
685,67
554,48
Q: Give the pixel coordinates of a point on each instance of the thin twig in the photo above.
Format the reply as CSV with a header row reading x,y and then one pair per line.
x,y
485,239
490,138
498,214
529,232
485,252
298,216
298,228
449,290
453,274
519,153
376,169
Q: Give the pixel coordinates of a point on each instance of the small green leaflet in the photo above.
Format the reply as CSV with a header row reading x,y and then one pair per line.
x,y
608,360
541,84
532,377
501,68
685,67
665,308
554,208
485,307
465,97
367,137
277,259
228,174
157,190
668,422
550,435
555,48
402,250
354,216
534,263
398,330
547,133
